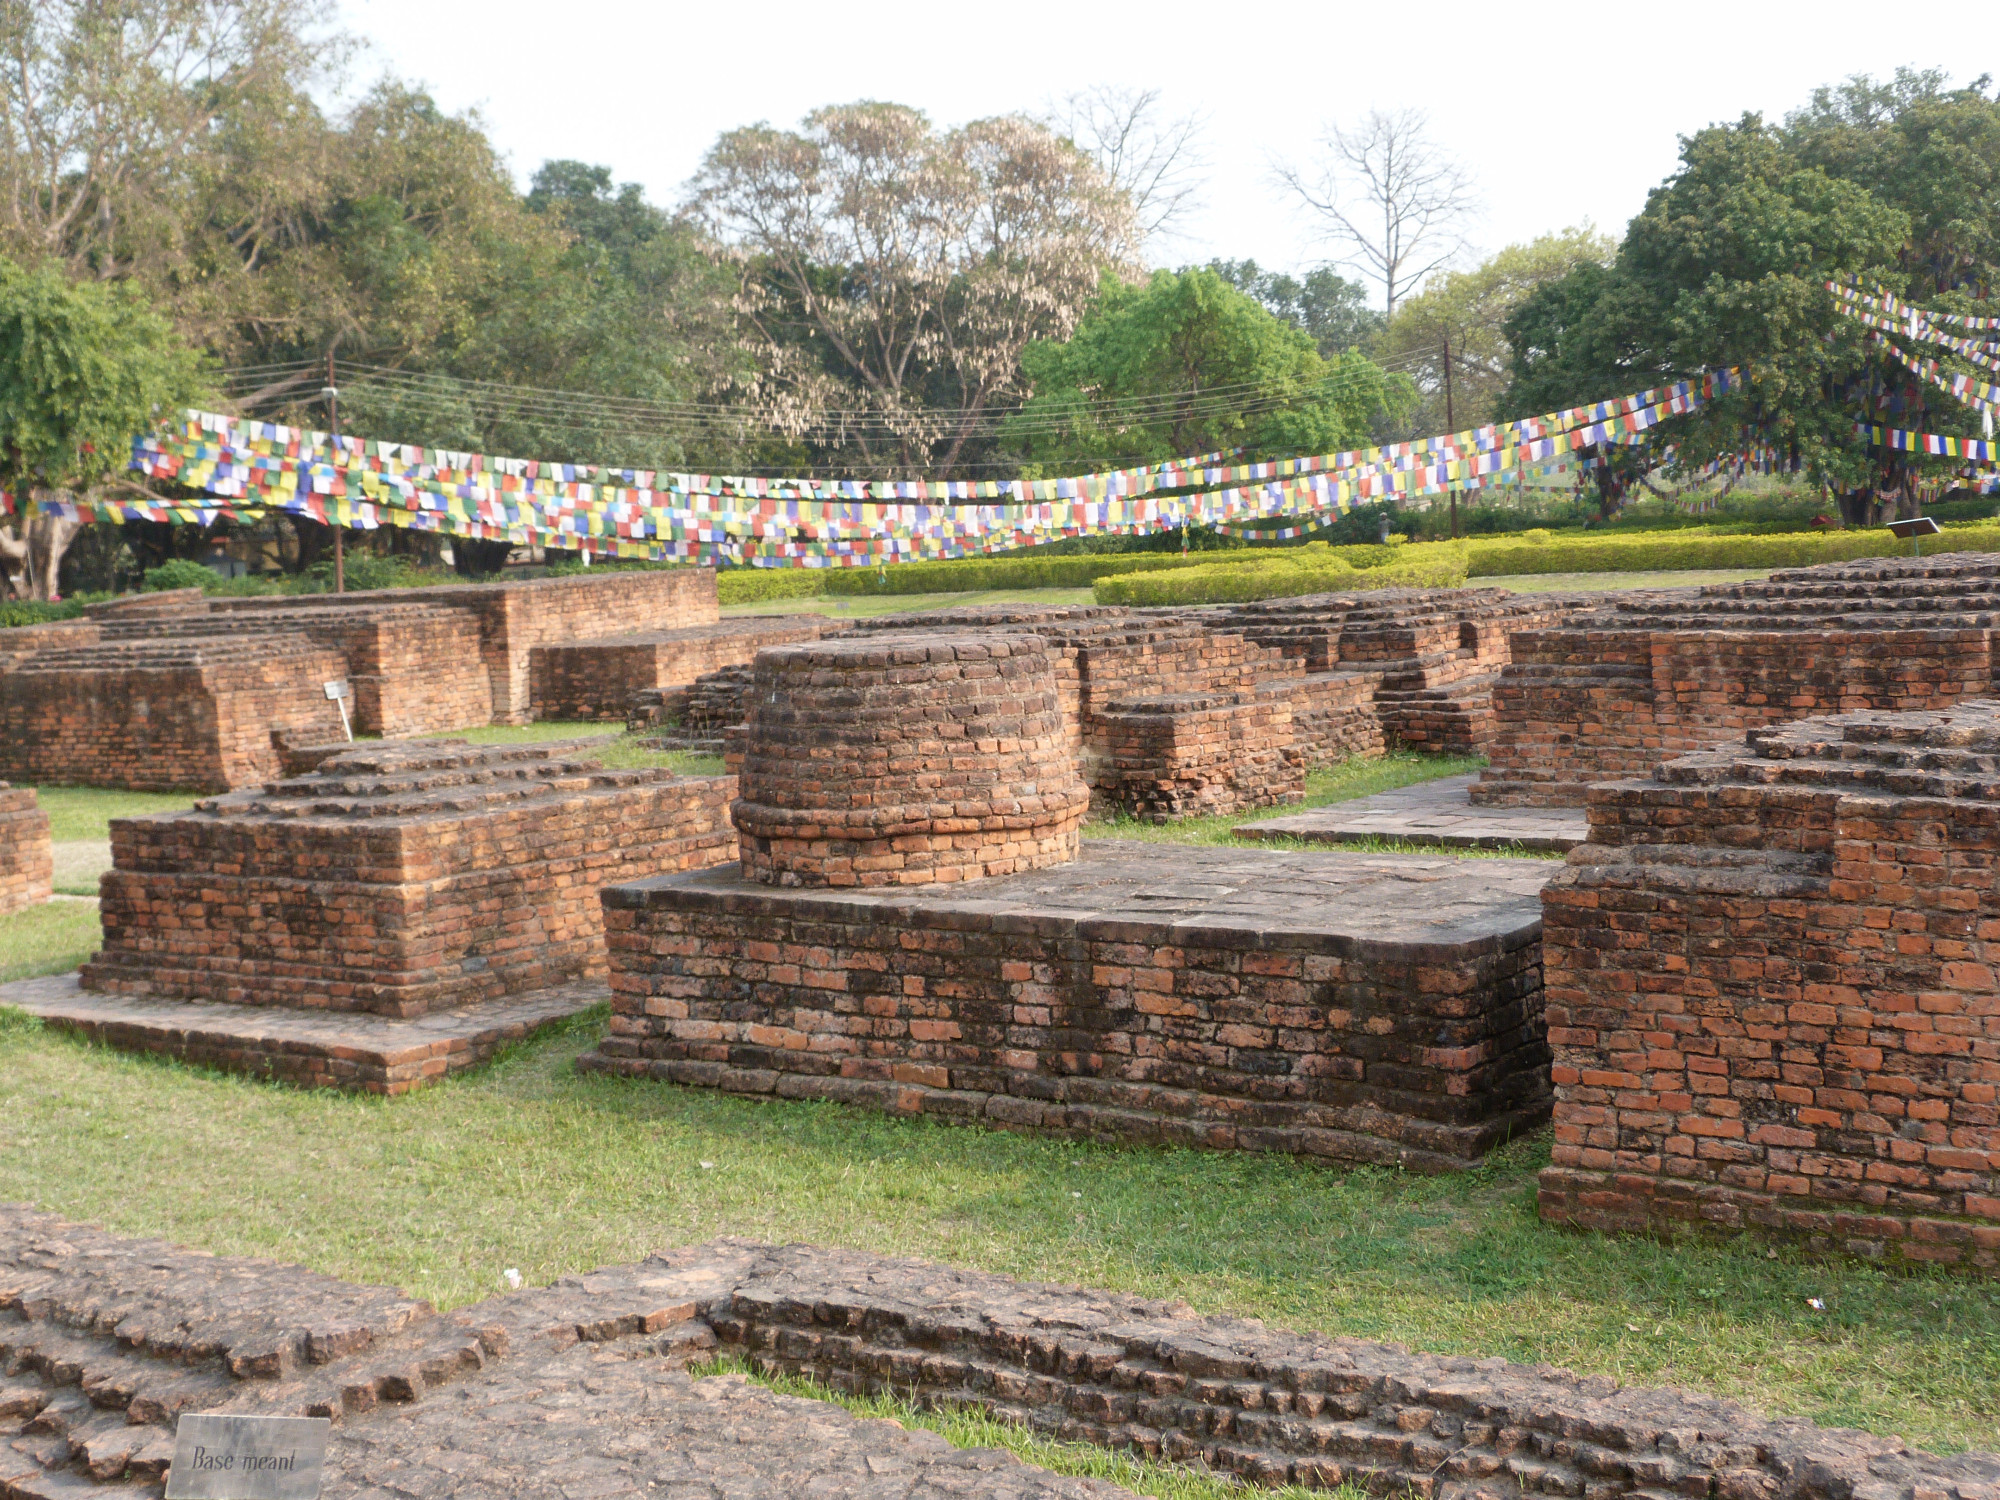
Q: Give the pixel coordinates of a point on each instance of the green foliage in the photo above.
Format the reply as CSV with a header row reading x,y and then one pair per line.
x,y
1284,573
1175,338
1612,552
15,612
83,366
1333,311
754,585
1017,570
179,573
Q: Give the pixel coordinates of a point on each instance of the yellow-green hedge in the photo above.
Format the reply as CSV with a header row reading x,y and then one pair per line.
x,y
1610,552
1282,574
755,585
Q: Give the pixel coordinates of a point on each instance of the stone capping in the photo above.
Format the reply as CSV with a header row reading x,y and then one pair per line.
x,y
106,1339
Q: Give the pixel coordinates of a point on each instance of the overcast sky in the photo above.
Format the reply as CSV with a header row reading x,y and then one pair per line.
x,y
1563,113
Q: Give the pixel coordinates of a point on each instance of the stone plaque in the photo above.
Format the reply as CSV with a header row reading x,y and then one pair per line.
x,y
248,1458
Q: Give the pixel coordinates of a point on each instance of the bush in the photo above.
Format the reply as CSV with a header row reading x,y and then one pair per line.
x,y
1600,552
15,612
1292,572
179,573
754,585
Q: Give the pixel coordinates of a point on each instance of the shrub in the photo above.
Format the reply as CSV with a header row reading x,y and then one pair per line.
x,y
1312,569
1589,552
754,585
179,573
15,612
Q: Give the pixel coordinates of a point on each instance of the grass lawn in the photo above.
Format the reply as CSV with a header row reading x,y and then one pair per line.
x,y
525,1163
52,938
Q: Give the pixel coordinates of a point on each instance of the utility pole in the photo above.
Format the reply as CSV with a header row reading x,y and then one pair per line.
x,y
1450,425
332,395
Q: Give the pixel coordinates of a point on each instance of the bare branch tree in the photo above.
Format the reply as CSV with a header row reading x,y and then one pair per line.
x,y
1154,159
1396,197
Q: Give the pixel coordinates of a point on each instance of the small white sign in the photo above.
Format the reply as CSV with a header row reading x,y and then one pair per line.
x,y
248,1458
338,690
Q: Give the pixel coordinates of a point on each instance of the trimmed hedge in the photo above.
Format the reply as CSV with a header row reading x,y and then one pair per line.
x,y
1586,552
754,585
1017,571
32,612
1313,569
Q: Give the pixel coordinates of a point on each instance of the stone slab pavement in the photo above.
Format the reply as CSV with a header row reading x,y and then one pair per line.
x,y
1431,812
319,1048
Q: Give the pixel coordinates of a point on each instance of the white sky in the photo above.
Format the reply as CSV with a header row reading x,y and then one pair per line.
x,y
1563,113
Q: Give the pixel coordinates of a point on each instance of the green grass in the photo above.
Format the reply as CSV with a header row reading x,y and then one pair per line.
x,y
968,1428
618,750
85,812
525,1163
858,605
1357,776
52,938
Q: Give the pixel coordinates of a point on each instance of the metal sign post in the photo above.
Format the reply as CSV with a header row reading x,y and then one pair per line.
x,y
339,692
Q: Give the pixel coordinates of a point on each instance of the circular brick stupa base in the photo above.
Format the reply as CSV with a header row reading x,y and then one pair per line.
x,y
904,760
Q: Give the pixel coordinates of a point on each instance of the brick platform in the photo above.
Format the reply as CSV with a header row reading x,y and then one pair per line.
x,y
1373,1008
599,679
580,1388
351,1050
905,760
1437,813
178,691
1648,675
164,715
1771,992
27,858
398,878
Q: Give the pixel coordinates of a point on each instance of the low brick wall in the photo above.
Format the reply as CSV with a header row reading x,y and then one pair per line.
x,y
27,858
1637,679
398,879
164,715
598,679
1772,999
1371,1008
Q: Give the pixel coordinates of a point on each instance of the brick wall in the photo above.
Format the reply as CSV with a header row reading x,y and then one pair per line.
x,y
27,859
1226,998
398,879
1772,999
597,679
167,715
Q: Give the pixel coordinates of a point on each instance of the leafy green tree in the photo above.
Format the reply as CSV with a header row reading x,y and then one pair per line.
x,y
1329,307
1184,363
83,366
1726,265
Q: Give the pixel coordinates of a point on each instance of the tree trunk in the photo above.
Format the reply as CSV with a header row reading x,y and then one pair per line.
x,y
477,557
48,539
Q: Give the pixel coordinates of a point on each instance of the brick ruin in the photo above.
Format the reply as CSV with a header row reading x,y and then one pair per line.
x,y
1772,993
27,858
180,691
906,760
202,715
1638,678
1366,1008
106,1341
1187,711
396,879
600,678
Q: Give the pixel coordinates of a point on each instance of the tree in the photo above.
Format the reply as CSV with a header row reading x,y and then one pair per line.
x,y
1331,309
111,110
1466,312
1725,267
1186,364
1390,193
82,368
895,272
1154,160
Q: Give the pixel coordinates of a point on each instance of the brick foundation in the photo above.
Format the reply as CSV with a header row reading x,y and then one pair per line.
x,y
27,858
599,679
1772,1000
164,715
1641,678
396,879
905,760
1371,1008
